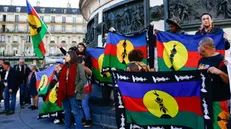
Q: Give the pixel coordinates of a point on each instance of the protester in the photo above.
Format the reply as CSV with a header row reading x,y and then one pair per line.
x,y
136,65
10,89
174,25
2,74
86,120
23,71
71,83
52,84
214,62
31,84
81,51
207,27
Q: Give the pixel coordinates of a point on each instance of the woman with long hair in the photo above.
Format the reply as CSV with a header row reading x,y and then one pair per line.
x,y
71,83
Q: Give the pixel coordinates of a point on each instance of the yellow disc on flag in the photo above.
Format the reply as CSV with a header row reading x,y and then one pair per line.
x,y
35,24
175,55
123,49
100,62
160,104
43,82
53,94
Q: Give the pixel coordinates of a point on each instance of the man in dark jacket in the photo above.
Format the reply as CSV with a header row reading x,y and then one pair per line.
x,y
2,74
207,27
10,89
23,70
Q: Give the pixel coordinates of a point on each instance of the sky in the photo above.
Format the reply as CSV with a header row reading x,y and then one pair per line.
x,y
43,3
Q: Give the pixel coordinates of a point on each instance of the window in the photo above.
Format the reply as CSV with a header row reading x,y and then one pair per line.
x,y
53,10
52,38
42,10
18,9
16,18
2,51
63,29
28,38
15,50
63,19
74,19
52,29
3,38
42,18
16,28
64,10
73,29
74,11
15,38
27,29
53,19
4,17
6,9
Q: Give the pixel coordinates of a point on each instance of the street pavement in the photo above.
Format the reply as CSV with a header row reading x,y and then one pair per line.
x,y
27,119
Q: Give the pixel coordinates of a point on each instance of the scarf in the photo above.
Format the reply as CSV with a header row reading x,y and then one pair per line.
x,y
66,83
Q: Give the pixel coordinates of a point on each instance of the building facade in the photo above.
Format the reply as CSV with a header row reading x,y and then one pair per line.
x,y
66,25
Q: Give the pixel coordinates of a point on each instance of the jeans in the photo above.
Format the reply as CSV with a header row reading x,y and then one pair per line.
x,y
85,107
22,94
9,106
71,105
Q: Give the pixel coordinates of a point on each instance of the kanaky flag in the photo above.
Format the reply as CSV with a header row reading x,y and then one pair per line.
x,y
49,108
165,99
118,47
97,55
43,79
38,29
180,52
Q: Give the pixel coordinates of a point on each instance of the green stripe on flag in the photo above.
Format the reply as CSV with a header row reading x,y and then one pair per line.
x,y
187,119
163,67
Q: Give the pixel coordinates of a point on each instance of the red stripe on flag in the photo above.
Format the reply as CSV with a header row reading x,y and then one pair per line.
x,y
193,58
143,49
160,49
33,12
42,48
110,49
95,63
187,104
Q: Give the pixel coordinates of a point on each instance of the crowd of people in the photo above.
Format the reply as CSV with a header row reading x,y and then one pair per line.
x,y
75,74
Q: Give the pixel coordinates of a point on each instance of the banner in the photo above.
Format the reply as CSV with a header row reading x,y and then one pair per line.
x,y
97,55
50,108
163,100
118,47
180,52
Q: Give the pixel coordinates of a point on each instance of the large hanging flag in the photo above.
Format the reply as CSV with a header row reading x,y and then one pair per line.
x,y
163,100
49,108
44,78
180,52
97,55
38,29
118,47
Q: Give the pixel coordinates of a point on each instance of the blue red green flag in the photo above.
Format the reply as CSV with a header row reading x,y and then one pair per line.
x,y
38,29
180,52
163,100
118,47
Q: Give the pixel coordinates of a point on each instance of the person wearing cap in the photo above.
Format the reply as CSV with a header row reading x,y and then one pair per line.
x,y
174,25
207,27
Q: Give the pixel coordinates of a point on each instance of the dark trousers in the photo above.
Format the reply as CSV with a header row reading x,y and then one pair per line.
x,y
106,92
1,90
24,95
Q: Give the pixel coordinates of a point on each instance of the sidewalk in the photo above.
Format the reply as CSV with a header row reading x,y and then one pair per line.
x,y
27,119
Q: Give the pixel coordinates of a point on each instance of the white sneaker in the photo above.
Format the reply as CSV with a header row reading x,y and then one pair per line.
x,y
56,121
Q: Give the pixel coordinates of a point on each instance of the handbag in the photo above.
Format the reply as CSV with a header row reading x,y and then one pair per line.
x,y
88,87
